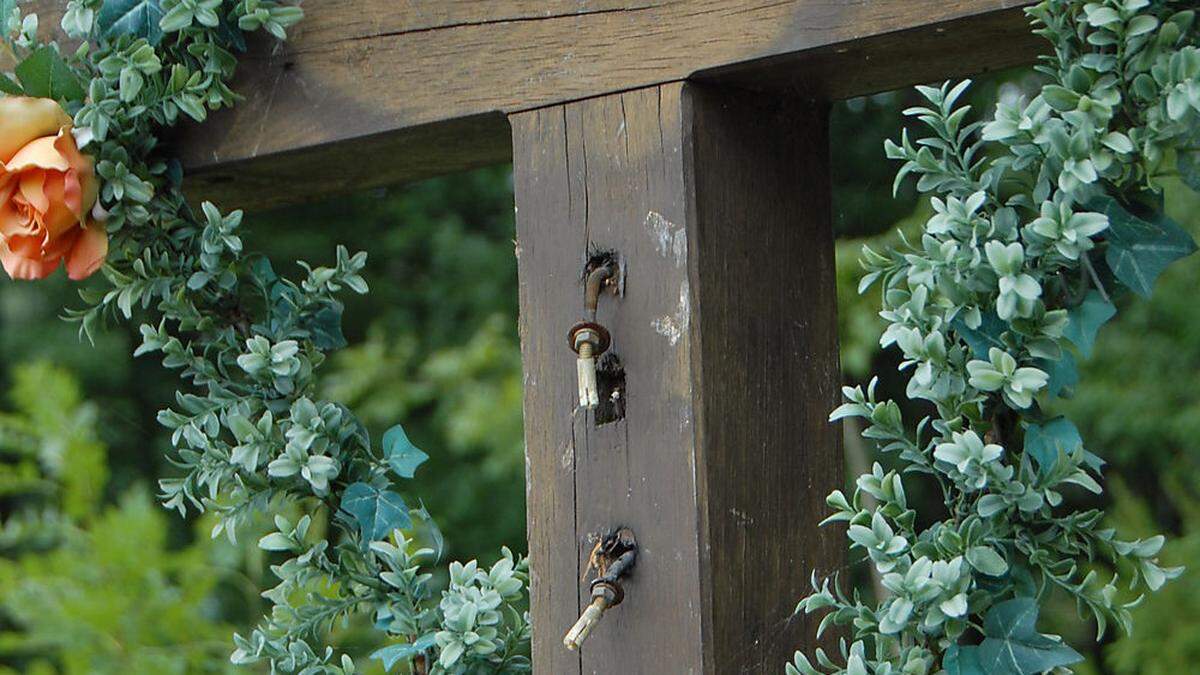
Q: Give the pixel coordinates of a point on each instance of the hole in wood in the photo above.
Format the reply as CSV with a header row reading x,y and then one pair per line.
x,y
610,381
599,257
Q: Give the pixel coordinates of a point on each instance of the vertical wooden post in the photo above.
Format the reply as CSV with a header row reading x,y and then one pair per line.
x,y
718,203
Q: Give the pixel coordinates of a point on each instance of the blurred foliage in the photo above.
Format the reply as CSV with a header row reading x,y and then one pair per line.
x,y
859,323
1143,416
87,588
1166,640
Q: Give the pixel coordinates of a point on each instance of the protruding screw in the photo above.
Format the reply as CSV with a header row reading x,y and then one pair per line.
x,y
605,595
589,340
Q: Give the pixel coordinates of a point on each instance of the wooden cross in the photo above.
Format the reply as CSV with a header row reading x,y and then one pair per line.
x,y
690,136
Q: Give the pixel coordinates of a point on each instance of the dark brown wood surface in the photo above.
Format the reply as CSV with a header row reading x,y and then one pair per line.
x,y
410,88
767,367
716,201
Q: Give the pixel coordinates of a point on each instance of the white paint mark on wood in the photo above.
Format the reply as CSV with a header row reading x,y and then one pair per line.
x,y
670,238
674,326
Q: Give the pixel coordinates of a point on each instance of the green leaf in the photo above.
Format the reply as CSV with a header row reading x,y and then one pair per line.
x,y
1014,647
990,505
400,453
376,512
44,74
1139,250
1140,25
1085,319
135,18
275,541
1060,98
1063,372
986,560
983,338
1043,443
325,327
7,86
393,654
962,661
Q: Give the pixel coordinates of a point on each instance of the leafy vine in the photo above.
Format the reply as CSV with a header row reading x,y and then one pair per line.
x,y
83,181
1043,217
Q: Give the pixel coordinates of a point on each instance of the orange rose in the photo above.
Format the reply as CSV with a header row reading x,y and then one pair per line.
x,y
47,191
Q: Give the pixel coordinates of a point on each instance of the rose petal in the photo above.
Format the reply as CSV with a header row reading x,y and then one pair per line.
x,y
88,253
33,189
10,220
22,258
40,153
13,222
73,193
59,218
61,246
23,119
83,172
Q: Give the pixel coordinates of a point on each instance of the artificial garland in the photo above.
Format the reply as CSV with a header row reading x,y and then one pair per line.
x,y
1042,217
82,181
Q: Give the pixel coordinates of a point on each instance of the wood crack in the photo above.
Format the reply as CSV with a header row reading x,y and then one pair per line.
x,y
491,22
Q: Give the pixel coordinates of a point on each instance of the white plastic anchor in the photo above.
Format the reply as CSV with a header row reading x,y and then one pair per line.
x,y
587,621
589,340
589,392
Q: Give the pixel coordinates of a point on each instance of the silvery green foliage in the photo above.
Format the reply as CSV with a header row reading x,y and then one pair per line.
x,y
250,434
1041,217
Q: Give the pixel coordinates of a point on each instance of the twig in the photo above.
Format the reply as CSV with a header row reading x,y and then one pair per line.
x,y
1087,264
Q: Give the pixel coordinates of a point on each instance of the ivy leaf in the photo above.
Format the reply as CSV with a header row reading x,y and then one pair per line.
x,y
135,18
231,35
1063,372
376,512
1014,647
400,453
983,338
325,327
1044,442
1139,250
44,74
1085,319
393,654
962,661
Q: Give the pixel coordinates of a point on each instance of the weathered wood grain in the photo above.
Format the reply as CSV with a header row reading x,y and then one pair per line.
x,y
767,367
398,78
716,201
549,259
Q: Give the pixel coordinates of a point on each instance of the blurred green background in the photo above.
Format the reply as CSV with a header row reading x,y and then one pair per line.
x,y
96,578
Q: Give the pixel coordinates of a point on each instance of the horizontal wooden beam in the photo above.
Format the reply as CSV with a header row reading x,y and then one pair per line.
x,y
416,88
